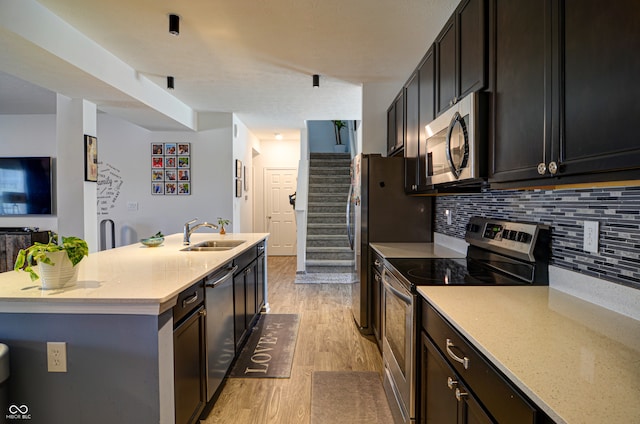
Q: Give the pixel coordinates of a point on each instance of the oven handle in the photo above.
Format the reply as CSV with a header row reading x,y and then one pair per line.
x,y
406,298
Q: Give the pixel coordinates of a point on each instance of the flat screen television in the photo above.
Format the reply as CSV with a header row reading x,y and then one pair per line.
x,y
26,186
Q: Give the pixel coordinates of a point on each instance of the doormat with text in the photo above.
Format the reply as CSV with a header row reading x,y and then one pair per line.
x,y
269,350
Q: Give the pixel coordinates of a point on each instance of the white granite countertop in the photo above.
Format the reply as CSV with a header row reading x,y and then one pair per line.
x,y
132,279
415,250
577,361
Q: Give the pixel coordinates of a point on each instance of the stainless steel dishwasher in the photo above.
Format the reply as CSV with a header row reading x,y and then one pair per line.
x,y
219,326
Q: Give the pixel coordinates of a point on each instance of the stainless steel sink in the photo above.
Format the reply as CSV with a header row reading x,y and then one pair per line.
x,y
213,246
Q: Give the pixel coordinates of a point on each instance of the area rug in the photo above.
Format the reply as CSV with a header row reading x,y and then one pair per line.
x,y
324,278
348,397
269,350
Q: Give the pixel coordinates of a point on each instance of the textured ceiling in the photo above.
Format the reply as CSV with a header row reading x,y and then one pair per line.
x,y
254,58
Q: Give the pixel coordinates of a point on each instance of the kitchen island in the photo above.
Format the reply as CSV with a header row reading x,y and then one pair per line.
x,y
576,361
117,324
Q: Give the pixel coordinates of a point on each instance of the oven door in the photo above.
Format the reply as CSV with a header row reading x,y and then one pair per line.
x,y
398,346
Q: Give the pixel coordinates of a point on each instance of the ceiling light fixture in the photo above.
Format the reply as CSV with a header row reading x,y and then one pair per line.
x,y
278,136
316,80
174,24
170,83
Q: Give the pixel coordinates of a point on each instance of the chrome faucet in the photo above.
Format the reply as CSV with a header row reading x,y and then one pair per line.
x,y
188,230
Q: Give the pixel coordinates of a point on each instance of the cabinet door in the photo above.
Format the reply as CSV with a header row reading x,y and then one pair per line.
x,y
239,308
391,127
601,89
427,112
261,283
190,368
521,101
446,66
399,108
438,404
250,290
412,133
471,65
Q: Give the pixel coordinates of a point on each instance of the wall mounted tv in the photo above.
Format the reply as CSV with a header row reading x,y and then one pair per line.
x,y
25,186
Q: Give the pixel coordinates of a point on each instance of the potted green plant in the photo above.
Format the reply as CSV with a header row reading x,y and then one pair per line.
x,y
337,126
56,262
221,223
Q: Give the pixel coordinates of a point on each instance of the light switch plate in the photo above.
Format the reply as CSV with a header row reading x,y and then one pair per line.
x,y
590,242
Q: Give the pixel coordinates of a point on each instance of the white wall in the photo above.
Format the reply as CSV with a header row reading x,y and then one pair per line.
x,y
124,152
376,99
273,154
245,145
29,135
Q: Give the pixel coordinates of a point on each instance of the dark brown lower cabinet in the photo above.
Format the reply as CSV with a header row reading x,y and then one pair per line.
x,y
189,367
445,398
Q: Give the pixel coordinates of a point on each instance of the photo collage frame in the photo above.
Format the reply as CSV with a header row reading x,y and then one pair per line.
x,y
171,169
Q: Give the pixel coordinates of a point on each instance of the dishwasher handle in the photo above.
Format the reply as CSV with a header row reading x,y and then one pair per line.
x,y
229,273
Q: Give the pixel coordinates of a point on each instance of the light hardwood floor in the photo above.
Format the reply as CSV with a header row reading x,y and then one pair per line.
x,y
328,340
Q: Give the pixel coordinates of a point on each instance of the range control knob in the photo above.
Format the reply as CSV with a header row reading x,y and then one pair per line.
x,y
524,237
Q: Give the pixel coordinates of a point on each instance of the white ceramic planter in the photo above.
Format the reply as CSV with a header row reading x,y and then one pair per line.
x,y
61,274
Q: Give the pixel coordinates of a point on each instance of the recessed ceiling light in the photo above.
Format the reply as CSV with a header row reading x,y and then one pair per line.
x,y
278,136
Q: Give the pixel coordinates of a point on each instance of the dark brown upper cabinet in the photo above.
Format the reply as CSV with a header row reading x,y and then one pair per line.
x,y
460,48
564,85
395,126
420,110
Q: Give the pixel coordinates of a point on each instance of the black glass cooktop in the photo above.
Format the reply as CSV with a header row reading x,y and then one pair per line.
x,y
440,271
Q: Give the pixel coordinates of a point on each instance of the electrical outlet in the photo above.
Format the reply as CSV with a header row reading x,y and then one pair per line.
x,y
57,356
590,241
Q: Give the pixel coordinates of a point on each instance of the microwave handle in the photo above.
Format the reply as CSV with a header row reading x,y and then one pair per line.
x,y
456,120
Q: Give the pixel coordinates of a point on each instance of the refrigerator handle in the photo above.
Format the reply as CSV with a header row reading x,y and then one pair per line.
x,y
349,230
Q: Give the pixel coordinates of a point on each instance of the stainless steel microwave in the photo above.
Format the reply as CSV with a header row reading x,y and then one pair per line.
x,y
456,147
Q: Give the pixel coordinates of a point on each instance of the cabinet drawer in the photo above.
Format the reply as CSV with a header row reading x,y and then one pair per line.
x,y
495,392
245,258
188,300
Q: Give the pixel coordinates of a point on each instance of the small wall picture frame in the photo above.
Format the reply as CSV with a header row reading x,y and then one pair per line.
x,y
239,187
157,149
184,188
90,158
157,188
246,180
238,168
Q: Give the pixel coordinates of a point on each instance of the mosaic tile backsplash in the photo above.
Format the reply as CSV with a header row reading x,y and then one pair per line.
x,y
616,209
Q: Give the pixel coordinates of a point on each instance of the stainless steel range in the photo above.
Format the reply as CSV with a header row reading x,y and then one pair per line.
x,y
499,252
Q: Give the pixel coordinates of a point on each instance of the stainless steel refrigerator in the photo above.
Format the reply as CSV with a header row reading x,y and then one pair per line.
x,y
380,211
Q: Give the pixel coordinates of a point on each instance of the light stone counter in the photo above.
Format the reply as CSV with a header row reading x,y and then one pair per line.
x,y
132,279
415,250
577,361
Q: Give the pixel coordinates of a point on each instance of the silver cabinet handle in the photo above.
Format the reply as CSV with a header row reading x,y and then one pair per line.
x,y
464,361
377,277
460,394
451,383
377,263
190,300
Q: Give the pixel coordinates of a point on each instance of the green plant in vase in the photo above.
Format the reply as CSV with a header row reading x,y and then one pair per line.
x,y
221,223
47,256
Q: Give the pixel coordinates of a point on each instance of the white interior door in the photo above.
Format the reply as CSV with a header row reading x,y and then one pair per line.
x,y
280,216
